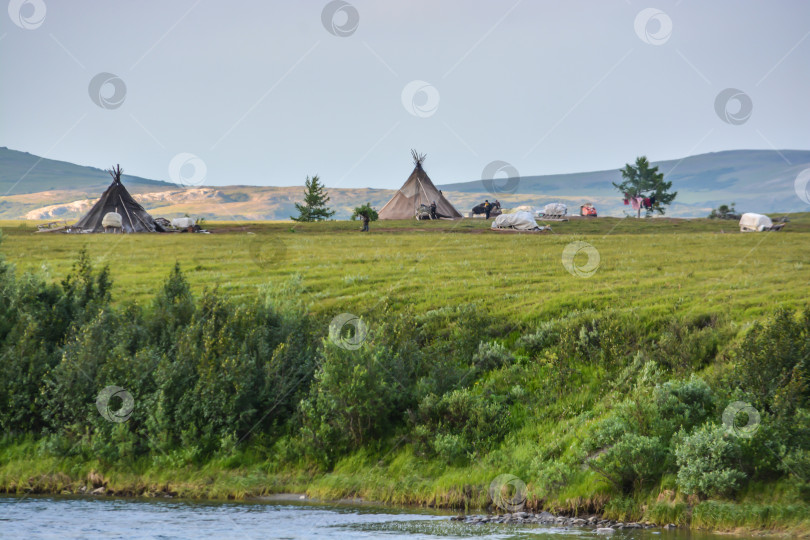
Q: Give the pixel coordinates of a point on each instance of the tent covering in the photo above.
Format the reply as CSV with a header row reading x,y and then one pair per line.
x,y
117,199
522,221
183,222
417,190
751,222
555,209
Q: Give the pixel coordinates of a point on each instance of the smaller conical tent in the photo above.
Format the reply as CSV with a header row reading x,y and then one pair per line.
x,y
417,190
117,199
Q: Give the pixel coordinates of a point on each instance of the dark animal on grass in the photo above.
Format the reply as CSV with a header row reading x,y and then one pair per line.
x,y
495,209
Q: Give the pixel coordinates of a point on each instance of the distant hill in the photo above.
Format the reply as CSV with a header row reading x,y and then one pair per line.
x,y
22,173
757,180
38,188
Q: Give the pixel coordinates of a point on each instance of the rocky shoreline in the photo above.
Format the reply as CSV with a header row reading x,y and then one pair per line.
x,y
601,525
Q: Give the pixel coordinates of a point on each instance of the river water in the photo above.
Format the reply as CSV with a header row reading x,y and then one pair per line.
x,y
95,518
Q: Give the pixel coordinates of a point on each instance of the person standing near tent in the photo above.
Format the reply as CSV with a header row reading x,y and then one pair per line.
x,y
433,211
487,207
365,223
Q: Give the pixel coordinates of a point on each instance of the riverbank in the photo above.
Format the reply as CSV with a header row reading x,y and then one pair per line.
x,y
212,483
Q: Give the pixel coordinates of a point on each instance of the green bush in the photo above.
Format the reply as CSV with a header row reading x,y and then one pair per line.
x,y
38,320
770,369
200,371
707,460
459,424
689,345
446,340
681,404
634,461
365,210
633,443
491,356
355,397
772,357
553,476
545,336
605,434
606,339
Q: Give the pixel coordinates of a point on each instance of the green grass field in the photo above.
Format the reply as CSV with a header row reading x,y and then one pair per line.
x,y
658,265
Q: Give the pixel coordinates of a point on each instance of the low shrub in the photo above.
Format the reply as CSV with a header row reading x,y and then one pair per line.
x,y
707,460
459,424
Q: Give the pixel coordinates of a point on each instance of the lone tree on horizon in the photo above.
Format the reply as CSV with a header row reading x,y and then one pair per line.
x,y
315,199
642,180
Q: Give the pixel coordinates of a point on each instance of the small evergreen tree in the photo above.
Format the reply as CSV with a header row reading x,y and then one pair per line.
x,y
642,180
724,212
365,210
315,199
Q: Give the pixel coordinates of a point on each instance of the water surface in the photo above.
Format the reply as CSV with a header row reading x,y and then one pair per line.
x,y
95,518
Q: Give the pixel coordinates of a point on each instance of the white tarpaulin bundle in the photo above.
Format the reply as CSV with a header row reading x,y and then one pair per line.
x,y
750,222
522,221
183,222
112,219
555,209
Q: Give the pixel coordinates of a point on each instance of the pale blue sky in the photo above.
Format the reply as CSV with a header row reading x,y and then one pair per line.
x,y
262,93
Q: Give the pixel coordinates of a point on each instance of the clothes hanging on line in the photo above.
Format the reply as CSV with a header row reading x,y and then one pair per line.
x,y
646,202
626,202
636,202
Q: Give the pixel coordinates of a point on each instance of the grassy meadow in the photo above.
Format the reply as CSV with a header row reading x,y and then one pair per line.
x,y
679,319
658,265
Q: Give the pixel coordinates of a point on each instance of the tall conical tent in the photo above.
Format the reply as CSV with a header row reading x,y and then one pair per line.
x,y
117,199
416,191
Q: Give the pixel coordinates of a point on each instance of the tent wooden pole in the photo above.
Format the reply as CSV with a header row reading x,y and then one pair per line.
x,y
139,218
131,225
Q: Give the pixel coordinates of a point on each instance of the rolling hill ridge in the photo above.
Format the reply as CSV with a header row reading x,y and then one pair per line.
x,y
32,187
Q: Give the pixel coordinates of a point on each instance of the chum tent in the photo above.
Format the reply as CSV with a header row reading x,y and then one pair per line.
x,y
417,190
116,199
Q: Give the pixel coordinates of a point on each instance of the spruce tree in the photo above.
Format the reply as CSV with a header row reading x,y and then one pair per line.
x,y
642,180
315,199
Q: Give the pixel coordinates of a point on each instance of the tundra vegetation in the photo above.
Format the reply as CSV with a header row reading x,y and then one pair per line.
x,y
672,386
